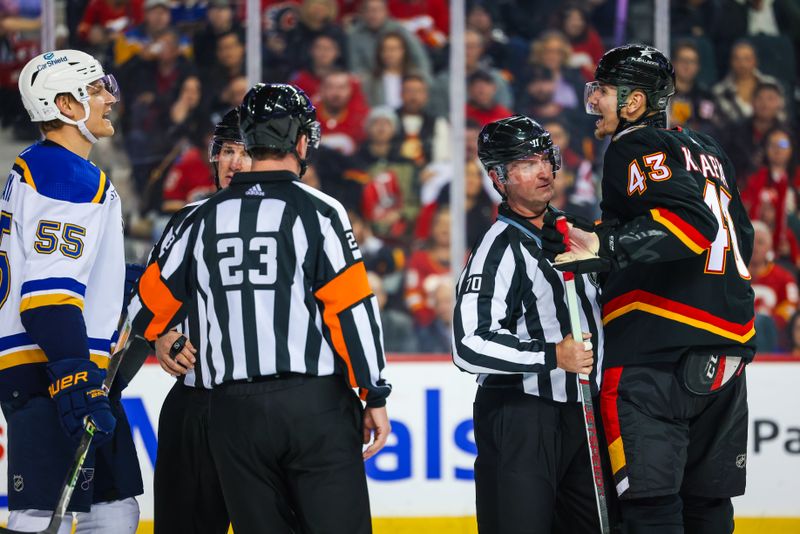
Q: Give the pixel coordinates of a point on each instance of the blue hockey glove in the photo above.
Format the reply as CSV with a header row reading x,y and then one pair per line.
x,y
76,388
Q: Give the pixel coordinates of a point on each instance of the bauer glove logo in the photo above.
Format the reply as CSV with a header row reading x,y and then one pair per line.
x,y
65,382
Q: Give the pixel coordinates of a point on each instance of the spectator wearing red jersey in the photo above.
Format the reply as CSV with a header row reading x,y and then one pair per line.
x,y
390,199
341,112
429,19
189,179
775,288
325,58
481,104
587,46
103,19
768,189
424,269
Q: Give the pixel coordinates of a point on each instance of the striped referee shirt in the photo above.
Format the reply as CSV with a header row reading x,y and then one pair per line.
x,y
511,311
267,278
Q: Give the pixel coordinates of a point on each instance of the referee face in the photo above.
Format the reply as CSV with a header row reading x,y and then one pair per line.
x,y
530,184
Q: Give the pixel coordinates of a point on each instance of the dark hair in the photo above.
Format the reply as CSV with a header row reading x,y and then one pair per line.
x,y
262,154
377,72
782,128
227,34
480,76
685,44
561,19
415,77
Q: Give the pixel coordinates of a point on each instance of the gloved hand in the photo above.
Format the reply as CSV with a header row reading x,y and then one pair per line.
x,y
583,255
76,388
552,240
591,250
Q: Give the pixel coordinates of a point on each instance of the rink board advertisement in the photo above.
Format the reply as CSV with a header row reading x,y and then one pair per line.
x,y
426,469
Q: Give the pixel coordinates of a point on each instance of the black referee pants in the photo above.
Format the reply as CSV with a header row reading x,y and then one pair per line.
x,y
532,473
187,492
288,454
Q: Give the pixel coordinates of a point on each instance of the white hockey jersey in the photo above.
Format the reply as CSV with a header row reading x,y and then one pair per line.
x,y
62,263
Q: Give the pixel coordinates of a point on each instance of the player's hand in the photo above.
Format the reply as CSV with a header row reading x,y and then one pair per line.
x,y
183,359
553,240
377,426
77,389
575,356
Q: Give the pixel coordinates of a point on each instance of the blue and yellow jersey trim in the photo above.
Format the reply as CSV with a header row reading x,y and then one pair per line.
x,y
51,292
19,349
55,172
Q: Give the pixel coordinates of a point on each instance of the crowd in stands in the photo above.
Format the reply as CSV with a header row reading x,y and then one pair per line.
x,y
377,71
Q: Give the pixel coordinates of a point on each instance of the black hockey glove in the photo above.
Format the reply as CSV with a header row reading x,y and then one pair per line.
x,y
552,240
77,391
592,251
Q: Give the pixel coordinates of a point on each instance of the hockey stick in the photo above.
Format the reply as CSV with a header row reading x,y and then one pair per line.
x,y
585,391
133,361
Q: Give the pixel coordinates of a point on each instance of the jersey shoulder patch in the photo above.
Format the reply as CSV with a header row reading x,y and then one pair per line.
x,y
55,172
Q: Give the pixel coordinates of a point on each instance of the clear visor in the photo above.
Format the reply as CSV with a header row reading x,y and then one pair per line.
x,y
591,93
108,83
529,167
229,153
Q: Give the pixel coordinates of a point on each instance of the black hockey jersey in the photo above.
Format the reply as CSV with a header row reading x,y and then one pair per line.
x,y
686,239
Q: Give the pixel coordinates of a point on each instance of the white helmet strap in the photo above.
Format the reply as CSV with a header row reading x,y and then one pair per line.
x,y
81,124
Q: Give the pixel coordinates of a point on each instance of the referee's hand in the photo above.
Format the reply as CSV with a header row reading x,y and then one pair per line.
x,y
182,361
575,356
376,424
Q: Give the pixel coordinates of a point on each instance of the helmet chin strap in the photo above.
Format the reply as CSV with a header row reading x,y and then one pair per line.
x,y
301,161
81,124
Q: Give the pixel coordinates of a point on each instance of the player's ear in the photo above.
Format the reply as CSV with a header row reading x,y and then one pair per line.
x,y
67,105
637,103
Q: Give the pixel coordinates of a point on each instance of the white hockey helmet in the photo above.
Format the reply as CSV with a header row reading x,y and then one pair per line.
x,y
61,71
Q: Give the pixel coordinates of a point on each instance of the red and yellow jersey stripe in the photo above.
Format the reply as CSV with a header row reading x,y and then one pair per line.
x,y
646,302
685,232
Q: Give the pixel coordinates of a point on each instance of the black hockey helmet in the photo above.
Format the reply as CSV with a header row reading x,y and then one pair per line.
x,y
635,66
273,116
514,138
226,130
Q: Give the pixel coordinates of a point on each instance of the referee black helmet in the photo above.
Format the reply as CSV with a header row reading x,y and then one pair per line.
x,y
273,116
514,138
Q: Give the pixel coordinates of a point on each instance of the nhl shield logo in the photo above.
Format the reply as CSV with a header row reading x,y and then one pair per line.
x,y
741,461
19,483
